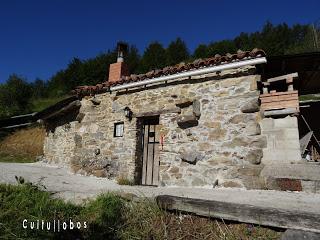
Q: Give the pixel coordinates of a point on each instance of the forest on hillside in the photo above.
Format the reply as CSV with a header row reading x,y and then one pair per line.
x,y
18,95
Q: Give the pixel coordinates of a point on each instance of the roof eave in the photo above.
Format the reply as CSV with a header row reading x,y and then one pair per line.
x,y
205,70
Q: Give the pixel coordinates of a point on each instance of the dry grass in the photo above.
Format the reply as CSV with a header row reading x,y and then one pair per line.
x,y
26,143
124,181
144,220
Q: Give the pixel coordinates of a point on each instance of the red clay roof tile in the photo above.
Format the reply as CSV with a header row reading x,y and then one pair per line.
x,y
198,63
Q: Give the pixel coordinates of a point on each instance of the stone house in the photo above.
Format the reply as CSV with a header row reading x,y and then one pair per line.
x,y
212,122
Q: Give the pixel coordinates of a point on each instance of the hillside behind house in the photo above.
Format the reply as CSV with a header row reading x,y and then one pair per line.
x,y
19,95
22,145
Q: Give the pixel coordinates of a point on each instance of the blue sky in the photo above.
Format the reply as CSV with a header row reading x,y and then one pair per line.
x,y
37,38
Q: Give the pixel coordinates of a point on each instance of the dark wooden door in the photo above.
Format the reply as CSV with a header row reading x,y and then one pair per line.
x,y
150,156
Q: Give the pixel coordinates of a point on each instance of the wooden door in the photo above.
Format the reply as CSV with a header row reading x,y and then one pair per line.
x,y
150,156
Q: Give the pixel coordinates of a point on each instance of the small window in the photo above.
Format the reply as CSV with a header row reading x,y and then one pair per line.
x,y
118,129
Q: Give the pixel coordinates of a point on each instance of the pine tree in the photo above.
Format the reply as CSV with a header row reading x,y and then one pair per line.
x,y
154,57
176,52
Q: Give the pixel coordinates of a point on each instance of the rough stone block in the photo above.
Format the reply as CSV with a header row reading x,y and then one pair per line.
x,y
292,234
259,142
254,156
242,118
196,108
251,106
191,157
184,103
186,121
253,129
231,184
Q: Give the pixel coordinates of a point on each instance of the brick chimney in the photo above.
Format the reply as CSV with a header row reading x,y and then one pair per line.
x,y
120,68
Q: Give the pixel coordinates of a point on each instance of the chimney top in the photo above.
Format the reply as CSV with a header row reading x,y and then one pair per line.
x,y
119,69
122,49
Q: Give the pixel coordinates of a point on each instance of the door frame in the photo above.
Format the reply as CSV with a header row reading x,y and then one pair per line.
x,y
149,137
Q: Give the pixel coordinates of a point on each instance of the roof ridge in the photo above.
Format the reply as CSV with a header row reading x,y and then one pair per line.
x,y
169,70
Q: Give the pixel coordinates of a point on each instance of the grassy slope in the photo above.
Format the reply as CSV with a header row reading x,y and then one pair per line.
x,y
22,145
111,217
42,103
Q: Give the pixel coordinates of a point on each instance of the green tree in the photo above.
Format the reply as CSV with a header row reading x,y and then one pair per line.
x,y
133,59
222,47
176,52
39,88
304,38
201,51
153,57
15,96
244,42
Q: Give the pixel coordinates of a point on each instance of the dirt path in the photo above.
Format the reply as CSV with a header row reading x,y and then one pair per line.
x,y
76,187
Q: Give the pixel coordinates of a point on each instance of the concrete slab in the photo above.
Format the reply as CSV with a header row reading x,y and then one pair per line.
x,y
306,171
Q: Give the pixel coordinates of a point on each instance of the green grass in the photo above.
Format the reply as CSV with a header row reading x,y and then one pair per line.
x,y
309,97
26,201
42,103
110,217
5,157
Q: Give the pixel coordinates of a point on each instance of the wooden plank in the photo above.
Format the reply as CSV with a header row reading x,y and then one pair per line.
x,y
280,112
278,98
290,76
278,93
283,104
150,157
156,165
16,126
145,154
155,177
69,107
267,216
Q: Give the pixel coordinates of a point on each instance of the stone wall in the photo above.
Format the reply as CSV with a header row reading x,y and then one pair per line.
x,y
210,127
59,145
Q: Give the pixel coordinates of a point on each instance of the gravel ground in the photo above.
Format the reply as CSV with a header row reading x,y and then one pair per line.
x,y
75,188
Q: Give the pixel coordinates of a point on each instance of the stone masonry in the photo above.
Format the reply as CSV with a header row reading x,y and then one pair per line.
x,y
210,127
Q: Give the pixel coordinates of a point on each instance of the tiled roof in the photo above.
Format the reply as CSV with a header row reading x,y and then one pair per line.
x,y
181,67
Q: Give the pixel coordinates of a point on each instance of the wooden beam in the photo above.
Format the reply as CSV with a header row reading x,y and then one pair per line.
x,y
266,216
70,106
19,125
289,78
280,112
